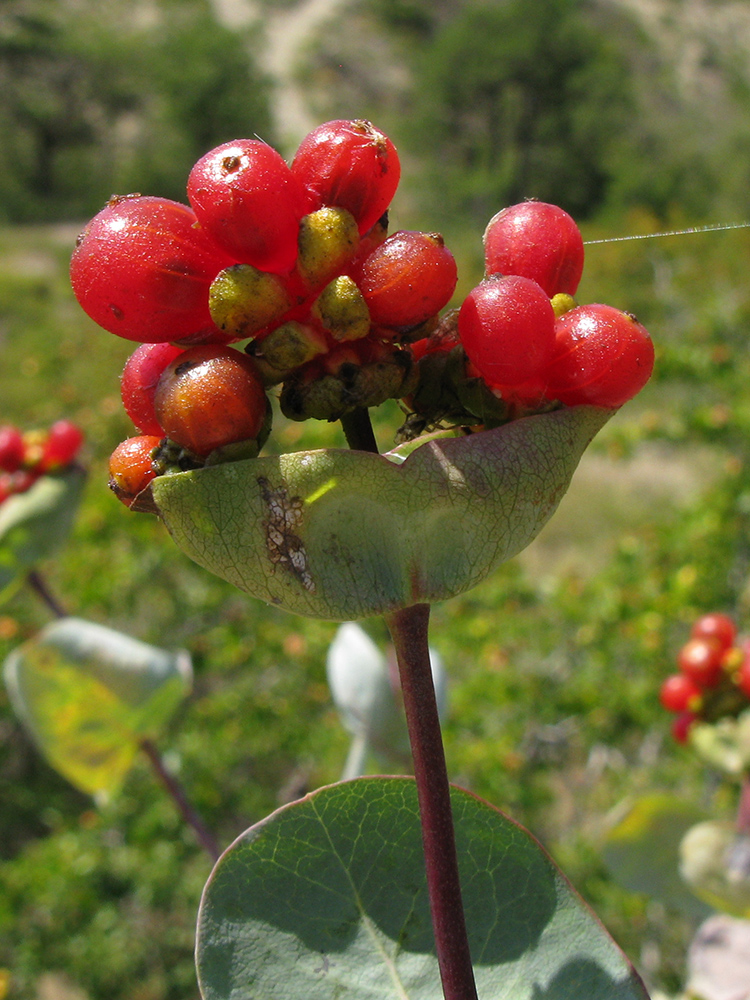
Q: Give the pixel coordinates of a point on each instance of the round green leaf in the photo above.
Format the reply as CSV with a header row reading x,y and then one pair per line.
x,y
347,534
35,523
642,850
88,695
327,898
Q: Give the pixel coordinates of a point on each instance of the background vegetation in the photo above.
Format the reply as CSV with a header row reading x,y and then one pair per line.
x,y
555,662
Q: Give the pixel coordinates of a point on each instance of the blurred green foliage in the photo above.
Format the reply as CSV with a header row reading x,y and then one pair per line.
x,y
101,98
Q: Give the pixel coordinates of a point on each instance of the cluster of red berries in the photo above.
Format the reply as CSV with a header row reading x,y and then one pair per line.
x,y
27,455
296,261
714,676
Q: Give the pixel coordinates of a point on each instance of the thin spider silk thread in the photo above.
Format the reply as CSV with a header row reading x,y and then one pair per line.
x,y
711,228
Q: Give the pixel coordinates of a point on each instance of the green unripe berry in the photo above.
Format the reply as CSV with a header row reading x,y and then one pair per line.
x,y
243,300
562,303
342,310
291,345
328,239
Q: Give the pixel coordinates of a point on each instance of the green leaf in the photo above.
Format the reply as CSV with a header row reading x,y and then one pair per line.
x,y
345,534
642,850
36,523
327,898
88,695
715,863
724,744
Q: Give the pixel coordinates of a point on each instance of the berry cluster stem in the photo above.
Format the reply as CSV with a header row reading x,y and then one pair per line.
x,y
177,794
358,430
409,631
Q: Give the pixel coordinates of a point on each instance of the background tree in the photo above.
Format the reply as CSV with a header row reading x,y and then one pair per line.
x,y
96,98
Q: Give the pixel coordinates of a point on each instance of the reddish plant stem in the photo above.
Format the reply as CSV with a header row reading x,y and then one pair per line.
x,y
172,786
409,628
178,796
39,585
358,430
743,810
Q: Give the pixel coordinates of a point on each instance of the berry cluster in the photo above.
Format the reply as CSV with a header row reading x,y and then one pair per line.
x,y
296,262
713,681
25,456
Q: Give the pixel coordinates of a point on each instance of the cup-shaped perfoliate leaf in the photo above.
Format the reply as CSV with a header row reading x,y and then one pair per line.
x,y
347,534
715,863
327,898
35,523
366,692
88,696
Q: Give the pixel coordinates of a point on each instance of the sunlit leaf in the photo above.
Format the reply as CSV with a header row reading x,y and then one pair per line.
x,y
34,524
327,898
365,689
715,863
343,534
89,695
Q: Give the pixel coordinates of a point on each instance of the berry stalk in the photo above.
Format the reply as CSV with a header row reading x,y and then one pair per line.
x,y
409,628
176,792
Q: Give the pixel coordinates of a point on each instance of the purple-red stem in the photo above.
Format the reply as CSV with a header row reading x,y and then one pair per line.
x,y
743,810
38,584
177,794
409,630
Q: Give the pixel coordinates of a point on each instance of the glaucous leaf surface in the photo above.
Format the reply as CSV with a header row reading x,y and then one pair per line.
x,y
346,534
327,898
88,695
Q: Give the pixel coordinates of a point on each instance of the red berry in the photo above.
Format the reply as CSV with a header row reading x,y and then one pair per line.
x,y
602,357
682,725
507,328
209,397
715,626
742,677
142,268
701,661
407,279
248,200
12,448
131,468
138,382
63,443
352,165
538,241
679,694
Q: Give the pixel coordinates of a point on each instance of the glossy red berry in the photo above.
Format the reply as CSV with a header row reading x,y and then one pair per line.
x,y
507,328
63,443
538,241
131,467
142,269
209,397
350,164
679,694
138,382
682,725
248,200
715,626
12,448
602,357
701,661
407,279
